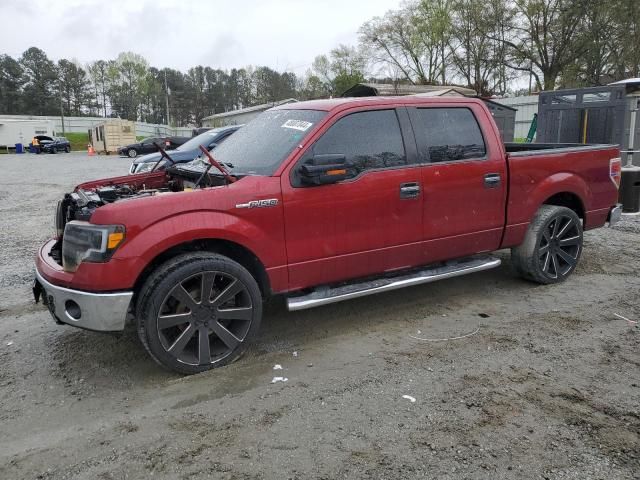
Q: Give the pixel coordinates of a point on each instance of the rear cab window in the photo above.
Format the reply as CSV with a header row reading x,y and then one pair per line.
x,y
448,134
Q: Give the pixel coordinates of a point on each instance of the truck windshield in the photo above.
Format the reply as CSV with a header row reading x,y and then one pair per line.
x,y
261,146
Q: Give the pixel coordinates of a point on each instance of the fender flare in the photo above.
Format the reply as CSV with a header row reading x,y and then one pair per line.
x,y
185,228
561,182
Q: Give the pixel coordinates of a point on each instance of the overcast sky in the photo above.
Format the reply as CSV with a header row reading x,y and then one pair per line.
x,y
282,34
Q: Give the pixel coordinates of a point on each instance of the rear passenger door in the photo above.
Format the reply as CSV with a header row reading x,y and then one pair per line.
x,y
367,224
464,181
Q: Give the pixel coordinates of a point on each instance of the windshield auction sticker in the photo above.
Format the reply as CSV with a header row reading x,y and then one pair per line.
x,y
297,125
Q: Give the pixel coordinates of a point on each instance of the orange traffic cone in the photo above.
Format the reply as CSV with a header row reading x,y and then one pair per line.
x,y
90,151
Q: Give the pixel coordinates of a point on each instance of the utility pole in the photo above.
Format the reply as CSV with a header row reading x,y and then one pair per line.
x,y
61,110
166,88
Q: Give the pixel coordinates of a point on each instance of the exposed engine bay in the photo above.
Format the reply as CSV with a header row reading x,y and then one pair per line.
x,y
82,202
87,198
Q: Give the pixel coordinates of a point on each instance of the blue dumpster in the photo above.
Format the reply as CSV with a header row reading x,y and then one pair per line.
x,y
19,148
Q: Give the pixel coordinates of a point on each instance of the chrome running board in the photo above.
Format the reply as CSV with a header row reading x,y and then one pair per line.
x,y
327,295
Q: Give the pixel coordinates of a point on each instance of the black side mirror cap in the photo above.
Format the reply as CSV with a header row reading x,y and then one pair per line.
x,y
325,169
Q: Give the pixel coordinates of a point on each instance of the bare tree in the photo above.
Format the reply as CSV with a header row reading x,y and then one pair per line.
x,y
405,40
548,38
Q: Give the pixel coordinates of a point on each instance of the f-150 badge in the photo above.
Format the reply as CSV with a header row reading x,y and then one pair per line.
x,y
270,202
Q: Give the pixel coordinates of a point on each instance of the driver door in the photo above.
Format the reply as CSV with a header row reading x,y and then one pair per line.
x,y
367,224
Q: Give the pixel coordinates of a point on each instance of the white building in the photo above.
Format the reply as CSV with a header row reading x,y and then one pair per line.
x,y
526,107
22,131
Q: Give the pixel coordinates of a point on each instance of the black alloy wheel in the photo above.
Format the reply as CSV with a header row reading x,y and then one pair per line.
x,y
204,318
552,246
559,246
198,311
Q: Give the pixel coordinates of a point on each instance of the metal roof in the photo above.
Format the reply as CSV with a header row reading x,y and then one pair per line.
x,y
390,89
628,81
341,103
255,108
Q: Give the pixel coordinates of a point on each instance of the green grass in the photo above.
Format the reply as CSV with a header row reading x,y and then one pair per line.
x,y
78,140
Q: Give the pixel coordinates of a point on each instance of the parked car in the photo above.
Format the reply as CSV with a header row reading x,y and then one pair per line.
x,y
53,144
148,146
185,152
322,201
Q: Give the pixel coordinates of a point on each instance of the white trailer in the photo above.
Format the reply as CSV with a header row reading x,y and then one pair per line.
x,y
23,131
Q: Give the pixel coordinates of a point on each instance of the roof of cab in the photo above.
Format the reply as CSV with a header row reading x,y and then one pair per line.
x,y
343,103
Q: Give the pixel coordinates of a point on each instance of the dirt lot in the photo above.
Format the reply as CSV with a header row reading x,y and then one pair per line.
x,y
549,387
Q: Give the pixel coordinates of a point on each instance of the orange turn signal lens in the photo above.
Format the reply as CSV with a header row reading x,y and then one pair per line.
x,y
336,172
114,240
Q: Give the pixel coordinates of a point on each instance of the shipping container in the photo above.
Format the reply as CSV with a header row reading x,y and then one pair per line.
x,y
110,135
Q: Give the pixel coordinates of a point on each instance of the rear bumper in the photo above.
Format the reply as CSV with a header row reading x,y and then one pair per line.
x,y
615,215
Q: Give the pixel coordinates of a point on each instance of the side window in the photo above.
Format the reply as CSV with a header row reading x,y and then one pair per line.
x,y
368,140
449,134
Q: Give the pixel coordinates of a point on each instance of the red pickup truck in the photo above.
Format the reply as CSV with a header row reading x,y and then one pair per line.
x,y
321,201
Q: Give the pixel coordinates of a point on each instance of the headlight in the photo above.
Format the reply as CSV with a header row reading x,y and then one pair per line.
x,y
83,242
147,166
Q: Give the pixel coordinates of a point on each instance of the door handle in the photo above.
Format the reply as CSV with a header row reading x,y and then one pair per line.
x,y
409,190
492,180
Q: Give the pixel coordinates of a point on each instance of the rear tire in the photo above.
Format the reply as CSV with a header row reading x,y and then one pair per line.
x,y
552,246
67,149
198,311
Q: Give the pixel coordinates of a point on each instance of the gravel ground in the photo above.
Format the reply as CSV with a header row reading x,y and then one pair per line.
x,y
549,387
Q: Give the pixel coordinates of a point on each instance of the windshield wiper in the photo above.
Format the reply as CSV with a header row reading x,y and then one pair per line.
x,y
163,154
213,162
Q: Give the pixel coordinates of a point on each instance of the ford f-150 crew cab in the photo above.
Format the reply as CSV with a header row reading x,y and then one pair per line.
x,y
321,201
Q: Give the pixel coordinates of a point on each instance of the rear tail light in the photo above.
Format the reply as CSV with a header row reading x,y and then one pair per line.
x,y
615,171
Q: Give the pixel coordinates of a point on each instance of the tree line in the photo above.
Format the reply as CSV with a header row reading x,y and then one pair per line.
x,y
491,46
127,87
488,44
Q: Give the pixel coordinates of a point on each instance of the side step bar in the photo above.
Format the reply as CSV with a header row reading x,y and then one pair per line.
x,y
326,295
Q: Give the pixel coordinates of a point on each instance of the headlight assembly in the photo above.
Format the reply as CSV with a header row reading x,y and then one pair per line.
x,y
147,166
84,242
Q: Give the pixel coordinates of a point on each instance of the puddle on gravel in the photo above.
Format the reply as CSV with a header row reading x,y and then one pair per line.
x,y
218,383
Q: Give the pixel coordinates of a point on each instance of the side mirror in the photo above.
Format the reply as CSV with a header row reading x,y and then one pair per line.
x,y
325,169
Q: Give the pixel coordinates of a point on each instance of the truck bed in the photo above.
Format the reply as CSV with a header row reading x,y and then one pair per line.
x,y
520,149
581,169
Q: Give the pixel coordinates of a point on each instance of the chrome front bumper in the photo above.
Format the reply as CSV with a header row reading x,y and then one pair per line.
x,y
615,215
104,312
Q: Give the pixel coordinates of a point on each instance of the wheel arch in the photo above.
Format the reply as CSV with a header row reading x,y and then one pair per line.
x,y
230,249
567,199
562,189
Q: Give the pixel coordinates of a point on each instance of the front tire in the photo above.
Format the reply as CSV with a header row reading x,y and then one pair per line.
x,y
67,149
552,246
132,152
198,311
